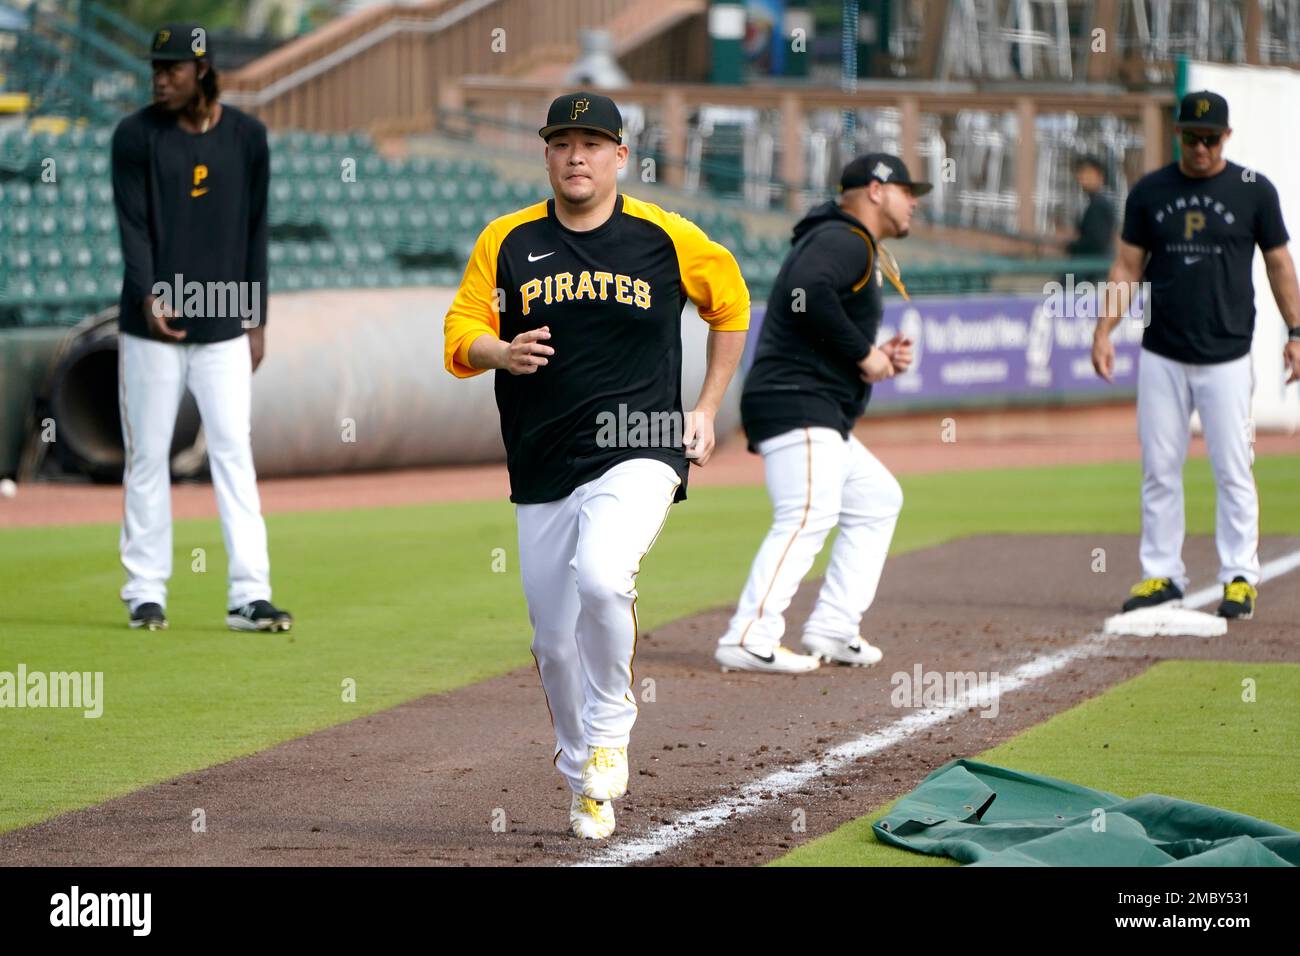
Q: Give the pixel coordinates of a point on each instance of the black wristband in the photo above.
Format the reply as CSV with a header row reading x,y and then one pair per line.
x,y
1294,334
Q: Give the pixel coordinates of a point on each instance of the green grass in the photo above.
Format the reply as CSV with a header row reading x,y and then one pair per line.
x,y
1180,729
405,602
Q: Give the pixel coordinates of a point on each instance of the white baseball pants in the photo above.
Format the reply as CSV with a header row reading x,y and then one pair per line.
x,y
816,480
152,378
579,558
1168,391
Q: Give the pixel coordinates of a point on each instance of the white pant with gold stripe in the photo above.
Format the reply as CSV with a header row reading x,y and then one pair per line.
x,y
579,559
153,377
817,480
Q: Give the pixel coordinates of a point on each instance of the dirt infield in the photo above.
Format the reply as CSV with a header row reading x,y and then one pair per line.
x,y
907,445
423,782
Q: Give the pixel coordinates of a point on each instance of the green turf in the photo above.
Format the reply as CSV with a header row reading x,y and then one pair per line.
x,y
1180,729
405,602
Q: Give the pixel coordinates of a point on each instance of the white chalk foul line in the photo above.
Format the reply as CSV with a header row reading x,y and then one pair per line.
x,y
1267,571
759,794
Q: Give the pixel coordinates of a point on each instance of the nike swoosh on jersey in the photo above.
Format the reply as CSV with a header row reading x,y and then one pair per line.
x,y
196,193
533,258
1188,260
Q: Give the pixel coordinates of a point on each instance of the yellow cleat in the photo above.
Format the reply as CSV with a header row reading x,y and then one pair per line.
x,y
1238,600
1151,592
604,777
591,819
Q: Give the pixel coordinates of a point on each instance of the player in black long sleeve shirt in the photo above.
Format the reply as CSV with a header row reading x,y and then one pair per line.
x,y
195,206
190,180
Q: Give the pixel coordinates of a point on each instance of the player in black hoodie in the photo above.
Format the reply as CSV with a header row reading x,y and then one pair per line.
x,y
810,380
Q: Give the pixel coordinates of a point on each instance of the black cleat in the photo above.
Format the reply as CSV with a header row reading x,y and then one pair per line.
x,y
258,616
149,616
1151,592
1238,600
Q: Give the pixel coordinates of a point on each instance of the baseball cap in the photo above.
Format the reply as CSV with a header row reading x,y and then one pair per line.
x,y
177,41
881,167
1203,110
583,110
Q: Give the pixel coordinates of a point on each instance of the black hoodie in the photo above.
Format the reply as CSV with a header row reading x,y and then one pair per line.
x,y
822,318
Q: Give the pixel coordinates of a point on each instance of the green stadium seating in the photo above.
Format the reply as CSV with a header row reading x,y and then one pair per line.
x,y
401,222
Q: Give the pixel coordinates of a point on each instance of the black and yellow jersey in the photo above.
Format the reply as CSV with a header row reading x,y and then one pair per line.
x,y
613,298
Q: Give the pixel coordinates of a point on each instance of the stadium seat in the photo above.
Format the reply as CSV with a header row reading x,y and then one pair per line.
x,y
18,260
75,194
81,257
336,218
60,251
17,194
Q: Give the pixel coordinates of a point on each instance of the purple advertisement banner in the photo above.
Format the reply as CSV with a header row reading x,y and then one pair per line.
x,y
994,348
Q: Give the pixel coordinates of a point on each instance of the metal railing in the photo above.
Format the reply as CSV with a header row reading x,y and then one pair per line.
x,y
70,69
785,146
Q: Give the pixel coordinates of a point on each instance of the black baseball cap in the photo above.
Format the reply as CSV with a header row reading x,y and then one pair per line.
x,y
1203,110
883,168
176,42
583,110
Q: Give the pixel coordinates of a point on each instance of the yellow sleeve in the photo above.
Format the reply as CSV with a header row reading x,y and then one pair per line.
x,y
473,312
710,276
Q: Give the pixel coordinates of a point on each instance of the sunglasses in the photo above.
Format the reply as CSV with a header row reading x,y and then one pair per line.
x,y
1205,139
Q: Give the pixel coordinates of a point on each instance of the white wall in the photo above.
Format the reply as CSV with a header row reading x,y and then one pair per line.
x,y
1264,117
375,356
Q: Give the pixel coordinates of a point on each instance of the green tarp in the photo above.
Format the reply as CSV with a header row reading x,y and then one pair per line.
x,y
991,816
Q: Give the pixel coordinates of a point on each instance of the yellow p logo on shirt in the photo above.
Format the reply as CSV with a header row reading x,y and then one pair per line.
x,y
200,174
1193,222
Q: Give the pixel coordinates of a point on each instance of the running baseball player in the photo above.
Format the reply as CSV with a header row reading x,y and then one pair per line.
x,y
190,186
810,381
576,304
1190,231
